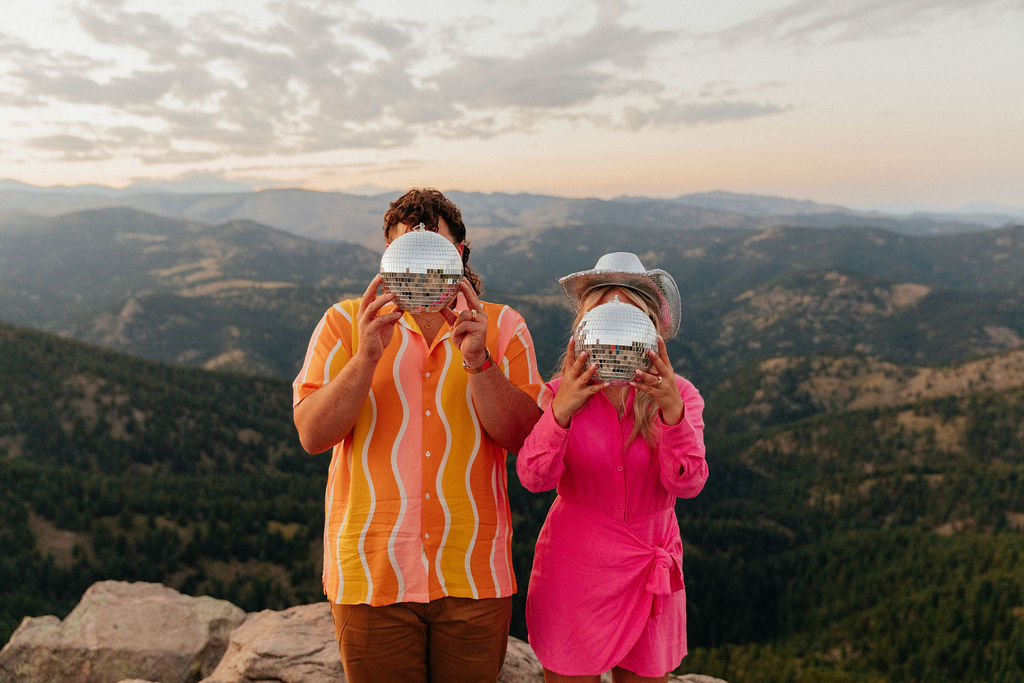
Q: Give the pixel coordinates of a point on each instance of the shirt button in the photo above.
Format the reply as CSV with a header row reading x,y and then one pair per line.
x,y
426,535
428,454
428,498
428,374
620,468
428,413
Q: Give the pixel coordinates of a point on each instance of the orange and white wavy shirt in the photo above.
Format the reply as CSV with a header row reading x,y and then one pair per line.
x,y
417,504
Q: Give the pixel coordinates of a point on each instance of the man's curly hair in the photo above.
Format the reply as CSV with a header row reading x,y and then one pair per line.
x,y
427,205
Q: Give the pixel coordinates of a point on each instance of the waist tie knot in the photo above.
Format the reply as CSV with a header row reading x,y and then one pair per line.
x,y
663,578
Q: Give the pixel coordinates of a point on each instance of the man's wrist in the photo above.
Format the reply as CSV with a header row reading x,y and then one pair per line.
x,y
483,365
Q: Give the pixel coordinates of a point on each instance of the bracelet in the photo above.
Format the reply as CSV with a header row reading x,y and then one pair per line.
x,y
483,366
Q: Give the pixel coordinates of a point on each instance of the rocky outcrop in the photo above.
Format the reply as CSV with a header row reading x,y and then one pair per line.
x,y
142,632
123,630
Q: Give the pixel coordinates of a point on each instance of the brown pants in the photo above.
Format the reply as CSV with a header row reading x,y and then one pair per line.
x,y
446,640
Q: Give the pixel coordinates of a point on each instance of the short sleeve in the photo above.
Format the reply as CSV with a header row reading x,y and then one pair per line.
x,y
330,348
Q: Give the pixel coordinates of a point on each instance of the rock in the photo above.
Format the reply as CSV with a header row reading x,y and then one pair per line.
x,y
520,663
296,645
121,630
521,666
145,632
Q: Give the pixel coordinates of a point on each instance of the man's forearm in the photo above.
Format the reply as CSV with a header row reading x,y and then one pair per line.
x,y
326,416
506,412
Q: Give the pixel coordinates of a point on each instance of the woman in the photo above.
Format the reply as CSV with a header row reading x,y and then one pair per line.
x,y
606,590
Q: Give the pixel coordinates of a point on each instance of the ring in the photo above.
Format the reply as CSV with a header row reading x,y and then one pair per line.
x,y
659,381
473,314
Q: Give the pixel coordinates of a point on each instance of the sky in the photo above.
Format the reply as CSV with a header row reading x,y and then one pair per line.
x,y
865,103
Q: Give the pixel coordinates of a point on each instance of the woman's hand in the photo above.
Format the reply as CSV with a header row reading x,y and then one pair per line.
x,y
375,328
659,383
577,386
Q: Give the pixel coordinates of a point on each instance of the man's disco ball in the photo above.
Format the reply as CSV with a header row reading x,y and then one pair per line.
x,y
618,336
423,270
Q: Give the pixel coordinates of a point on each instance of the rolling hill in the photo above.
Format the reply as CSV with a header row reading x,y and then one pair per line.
x,y
244,296
230,295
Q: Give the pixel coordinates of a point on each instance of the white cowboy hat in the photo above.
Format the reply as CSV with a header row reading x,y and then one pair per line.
x,y
624,269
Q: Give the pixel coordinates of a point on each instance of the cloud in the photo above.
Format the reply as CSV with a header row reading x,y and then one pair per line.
x,y
823,21
305,77
669,114
568,71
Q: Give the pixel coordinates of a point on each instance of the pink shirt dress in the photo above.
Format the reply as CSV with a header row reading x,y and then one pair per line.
x,y
606,587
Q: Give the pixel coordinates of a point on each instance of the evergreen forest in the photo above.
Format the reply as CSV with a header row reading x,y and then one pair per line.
x,y
875,544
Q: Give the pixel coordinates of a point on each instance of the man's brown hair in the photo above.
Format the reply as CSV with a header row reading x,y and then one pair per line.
x,y
427,205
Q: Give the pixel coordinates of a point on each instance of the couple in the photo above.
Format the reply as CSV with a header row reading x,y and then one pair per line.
x,y
420,410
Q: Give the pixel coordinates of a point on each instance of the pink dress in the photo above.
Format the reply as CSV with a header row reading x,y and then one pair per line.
x,y
606,587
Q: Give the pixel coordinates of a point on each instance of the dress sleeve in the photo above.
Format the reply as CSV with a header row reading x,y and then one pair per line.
x,y
683,468
541,460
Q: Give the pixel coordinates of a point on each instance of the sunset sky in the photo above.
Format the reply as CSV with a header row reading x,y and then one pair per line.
x,y
867,103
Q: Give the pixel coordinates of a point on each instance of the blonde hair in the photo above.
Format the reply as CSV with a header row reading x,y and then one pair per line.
x,y
644,407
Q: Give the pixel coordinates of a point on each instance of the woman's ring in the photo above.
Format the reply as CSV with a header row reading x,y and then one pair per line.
x,y
473,314
659,381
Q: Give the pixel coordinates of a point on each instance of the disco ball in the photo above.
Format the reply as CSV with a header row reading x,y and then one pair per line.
x,y
618,336
423,270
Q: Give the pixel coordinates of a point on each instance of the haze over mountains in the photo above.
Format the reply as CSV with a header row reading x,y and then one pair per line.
x,y
864,377
342,217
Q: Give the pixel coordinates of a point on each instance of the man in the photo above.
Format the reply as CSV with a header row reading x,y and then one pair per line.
x,y
420,410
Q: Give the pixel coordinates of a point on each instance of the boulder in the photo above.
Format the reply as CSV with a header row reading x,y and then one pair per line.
x,y
122,630
295,645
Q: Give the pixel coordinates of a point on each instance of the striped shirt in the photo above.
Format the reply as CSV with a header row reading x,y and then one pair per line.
x,y
417,505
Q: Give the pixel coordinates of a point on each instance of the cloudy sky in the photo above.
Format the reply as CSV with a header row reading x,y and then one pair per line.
x,y
866,103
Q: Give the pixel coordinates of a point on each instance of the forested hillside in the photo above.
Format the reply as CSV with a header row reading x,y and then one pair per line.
x,y
239,295
116,467
838,539
243,296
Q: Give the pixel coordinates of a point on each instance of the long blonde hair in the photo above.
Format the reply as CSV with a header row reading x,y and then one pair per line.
x,y
644,407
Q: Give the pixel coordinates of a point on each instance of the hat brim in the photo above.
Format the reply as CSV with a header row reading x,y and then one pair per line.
x,y
656,284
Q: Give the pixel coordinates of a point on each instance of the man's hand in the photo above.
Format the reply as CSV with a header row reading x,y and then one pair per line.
x,y
469,328
375,328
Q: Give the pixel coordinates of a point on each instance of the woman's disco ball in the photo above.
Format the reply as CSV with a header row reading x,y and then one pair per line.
x,y
618,336
423,270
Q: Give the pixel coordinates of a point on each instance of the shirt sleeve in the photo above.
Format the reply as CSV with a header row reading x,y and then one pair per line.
x,y
518,357
330,348
683,467
541,460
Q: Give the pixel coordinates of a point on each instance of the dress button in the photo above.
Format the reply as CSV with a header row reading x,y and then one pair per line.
x,y
428,413
620,468
428,374
426,535
427,454
428,498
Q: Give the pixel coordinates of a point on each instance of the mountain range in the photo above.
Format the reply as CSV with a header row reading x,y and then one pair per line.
x,y
335,216
244,296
